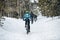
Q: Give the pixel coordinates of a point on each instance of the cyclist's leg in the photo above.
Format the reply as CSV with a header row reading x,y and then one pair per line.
x,y
32,20
29,26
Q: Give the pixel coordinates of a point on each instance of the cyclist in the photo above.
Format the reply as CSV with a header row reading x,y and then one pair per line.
x,y
27,18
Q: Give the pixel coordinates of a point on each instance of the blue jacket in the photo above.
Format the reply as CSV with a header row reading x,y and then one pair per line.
x,y
27,16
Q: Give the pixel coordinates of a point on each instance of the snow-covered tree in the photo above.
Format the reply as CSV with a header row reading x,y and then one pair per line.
x,y
50,7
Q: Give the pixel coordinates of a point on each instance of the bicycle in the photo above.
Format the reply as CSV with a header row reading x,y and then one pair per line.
x,y
27,27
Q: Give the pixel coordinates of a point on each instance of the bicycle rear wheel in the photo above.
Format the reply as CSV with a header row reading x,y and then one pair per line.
x,y
27,29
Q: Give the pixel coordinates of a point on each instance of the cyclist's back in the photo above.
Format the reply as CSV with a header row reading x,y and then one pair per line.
x,y
27,16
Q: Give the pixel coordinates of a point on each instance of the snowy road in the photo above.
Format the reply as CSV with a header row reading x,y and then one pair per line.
x,y
43,29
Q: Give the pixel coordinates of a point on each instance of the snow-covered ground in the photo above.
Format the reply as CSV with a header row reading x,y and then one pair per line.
x,y
43,29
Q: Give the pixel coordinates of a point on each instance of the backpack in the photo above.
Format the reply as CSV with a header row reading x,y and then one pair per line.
x,y
26,16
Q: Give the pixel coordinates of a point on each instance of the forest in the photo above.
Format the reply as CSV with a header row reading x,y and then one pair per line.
x,y
16,8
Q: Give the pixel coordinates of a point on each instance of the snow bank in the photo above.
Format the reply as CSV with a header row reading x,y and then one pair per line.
x,y
43,29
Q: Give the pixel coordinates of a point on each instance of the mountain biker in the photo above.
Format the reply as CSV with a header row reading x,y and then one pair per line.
x,y
32,15
27,18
